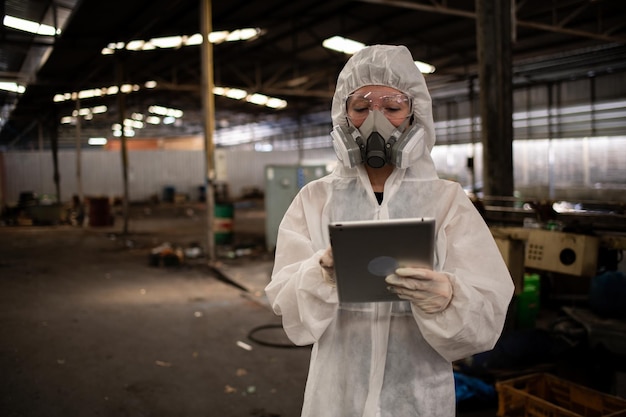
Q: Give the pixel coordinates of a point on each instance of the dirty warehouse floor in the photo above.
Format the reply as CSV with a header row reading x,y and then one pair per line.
x,y
91,325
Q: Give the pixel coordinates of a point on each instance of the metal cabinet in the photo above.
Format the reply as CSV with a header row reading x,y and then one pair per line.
x,y
282,183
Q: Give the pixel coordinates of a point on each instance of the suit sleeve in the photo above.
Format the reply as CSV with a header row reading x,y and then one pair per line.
x,y
482,286
297,290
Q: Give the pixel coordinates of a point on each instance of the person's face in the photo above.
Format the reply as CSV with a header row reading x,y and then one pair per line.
x,y
395,105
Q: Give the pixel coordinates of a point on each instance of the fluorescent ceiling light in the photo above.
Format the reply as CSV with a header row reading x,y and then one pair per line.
x,y
61,97
135,45
127,88
167,42
242,34
86,112
117,131
424,67
276,103
97,141
13,87
30,26
149,46
194,40
179,41
164,111
257,98
341,44
217,37
254,98
235,93
81,112
349,46
157,110
96,92
99,109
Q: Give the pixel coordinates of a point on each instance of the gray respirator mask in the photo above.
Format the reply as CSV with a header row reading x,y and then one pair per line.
x,y
378,142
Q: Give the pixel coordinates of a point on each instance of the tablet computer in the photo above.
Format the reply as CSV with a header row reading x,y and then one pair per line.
x,y
365,252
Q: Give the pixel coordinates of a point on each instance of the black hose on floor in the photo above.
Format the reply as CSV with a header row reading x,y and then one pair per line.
x,y
252,336
225,278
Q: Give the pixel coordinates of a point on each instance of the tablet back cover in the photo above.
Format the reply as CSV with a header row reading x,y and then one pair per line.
x,y
365,252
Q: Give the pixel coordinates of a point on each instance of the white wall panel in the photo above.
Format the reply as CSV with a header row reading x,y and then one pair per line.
x,y
151,171
27,172
594,167
246,168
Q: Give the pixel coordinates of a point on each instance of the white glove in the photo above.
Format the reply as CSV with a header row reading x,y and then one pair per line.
x,y
328,266
426,289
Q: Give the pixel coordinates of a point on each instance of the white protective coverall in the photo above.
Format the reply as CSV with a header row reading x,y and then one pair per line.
x,y
387,359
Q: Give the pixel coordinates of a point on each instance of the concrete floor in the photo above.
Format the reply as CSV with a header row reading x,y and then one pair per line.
x,y
90,328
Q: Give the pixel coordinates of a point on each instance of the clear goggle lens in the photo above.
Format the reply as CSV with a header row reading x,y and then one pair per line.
x,y
394,106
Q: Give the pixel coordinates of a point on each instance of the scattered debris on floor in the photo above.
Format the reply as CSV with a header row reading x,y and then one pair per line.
x,y
163,364
243,345
166,255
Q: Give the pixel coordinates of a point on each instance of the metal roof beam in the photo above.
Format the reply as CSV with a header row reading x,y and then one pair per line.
x,y
442,9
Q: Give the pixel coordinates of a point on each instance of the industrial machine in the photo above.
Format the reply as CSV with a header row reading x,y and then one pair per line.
x,y
565,253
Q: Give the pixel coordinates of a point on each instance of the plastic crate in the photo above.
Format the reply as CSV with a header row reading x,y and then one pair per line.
x,y
545,395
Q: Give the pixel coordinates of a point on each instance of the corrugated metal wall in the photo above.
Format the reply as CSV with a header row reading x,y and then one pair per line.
x,y
584,169
587,168
149,172
593,106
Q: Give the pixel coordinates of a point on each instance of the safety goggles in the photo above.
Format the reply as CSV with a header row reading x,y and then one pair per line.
x,y
393,106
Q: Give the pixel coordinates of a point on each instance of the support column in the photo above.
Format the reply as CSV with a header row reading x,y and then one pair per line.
x,y
54,148
121,109
493,40
79,144
208,111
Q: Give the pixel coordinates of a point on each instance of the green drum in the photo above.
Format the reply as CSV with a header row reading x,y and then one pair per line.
x,y
223,223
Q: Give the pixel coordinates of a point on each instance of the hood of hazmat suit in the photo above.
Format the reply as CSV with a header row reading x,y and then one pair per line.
x,y
391,66
387,359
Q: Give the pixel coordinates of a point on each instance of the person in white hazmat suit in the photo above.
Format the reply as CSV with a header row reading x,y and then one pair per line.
x,y
389,359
